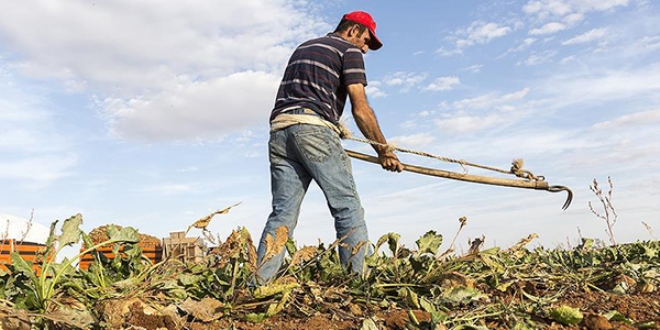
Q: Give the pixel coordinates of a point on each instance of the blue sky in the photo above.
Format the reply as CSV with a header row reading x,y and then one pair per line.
x,y
154,113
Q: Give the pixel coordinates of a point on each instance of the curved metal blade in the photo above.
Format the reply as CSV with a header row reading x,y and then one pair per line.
x,y
569,198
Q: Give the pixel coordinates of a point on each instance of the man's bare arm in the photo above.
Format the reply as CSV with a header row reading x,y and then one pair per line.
x,y
368,124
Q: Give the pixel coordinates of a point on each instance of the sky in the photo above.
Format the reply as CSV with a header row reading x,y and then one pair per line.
x,y
153,114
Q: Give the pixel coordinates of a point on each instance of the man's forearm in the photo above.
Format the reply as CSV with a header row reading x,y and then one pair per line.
x,y
368,125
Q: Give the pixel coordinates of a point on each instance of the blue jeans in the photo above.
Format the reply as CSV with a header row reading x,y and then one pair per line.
x,y
299,154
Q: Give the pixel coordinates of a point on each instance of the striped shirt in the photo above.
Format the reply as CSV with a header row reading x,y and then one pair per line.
x,y
317,75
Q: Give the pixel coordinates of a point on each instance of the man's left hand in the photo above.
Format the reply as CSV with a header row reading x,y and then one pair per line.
x,y
389,161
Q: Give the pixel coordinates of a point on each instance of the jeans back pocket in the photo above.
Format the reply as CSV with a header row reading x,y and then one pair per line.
x,y
314,144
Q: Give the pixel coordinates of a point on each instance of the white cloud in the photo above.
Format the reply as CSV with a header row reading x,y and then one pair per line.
x,y
499,109
474,68
604,85
650,117
463,123
478,32
490,100
548,28
32,146
414,141
545,7
374,91
42,169
448,52
443,84
559,15
539,58
588,36
598,5
204,109
550,8
170,189
481,33
147,55
648,43
524,45
573,19
407,80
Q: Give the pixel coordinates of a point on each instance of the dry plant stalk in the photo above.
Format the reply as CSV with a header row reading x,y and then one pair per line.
x,y
463,221
522,242
202,223
650,230
610,217
28,227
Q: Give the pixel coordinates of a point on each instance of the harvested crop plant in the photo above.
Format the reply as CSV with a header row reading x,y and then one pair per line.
x,y
587,287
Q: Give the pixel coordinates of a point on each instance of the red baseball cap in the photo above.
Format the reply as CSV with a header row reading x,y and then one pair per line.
x,y
365,19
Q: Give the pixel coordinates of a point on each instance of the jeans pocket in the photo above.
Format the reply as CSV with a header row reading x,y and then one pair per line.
x,y
314,144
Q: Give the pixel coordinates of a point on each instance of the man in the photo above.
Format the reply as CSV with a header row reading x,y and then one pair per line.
x,y
305,143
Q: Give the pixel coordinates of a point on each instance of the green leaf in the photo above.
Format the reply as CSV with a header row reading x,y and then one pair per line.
x,y
429,243
291,247
177,293
427,305
462,294
410,297
23,266
493,250
650,325
50,242
126,234
566,315
71,231
255,317
273,289
189,280
521,326
470,327
618,317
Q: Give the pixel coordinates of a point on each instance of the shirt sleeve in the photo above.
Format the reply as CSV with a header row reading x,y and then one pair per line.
x,y
353,69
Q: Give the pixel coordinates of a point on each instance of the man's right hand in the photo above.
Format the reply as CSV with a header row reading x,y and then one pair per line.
x,y
390,162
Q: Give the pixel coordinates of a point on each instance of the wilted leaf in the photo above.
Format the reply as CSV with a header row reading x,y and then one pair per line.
x,y
303,255
71,231
276,308
566,315
369,324
206,310
357,247
429,243
203,222
275,245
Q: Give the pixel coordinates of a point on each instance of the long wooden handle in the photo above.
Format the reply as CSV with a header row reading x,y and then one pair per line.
x,y
528,184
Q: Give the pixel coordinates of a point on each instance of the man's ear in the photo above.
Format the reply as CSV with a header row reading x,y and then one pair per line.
x,y
353,30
